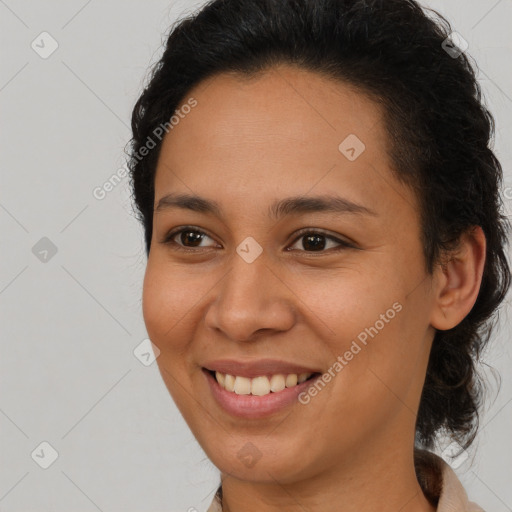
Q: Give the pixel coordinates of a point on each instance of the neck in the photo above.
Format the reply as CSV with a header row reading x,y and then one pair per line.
x,y
387,483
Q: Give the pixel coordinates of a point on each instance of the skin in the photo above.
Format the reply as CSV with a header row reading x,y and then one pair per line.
x,y
246,144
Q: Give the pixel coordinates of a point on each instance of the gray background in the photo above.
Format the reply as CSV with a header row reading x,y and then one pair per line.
x,y
70,321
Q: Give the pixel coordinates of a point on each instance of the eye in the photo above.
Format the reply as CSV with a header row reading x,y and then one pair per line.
x,y
186,235
317,241
189,238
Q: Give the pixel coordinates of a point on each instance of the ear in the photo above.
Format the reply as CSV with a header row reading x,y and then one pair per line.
x,y
458,280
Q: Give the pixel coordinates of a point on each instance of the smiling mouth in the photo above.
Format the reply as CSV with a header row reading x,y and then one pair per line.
x,y
261,385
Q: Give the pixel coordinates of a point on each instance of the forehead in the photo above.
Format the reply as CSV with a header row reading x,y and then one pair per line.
x,y
285,102
282,130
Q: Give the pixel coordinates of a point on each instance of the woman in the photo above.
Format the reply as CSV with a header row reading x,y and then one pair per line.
x,y
325,245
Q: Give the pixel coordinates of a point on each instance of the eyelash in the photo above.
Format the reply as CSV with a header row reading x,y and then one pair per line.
x,y
168,239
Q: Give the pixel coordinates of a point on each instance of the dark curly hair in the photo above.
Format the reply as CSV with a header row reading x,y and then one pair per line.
x,y
439,130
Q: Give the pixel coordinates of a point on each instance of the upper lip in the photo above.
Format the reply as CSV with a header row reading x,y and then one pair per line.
x,y
256,368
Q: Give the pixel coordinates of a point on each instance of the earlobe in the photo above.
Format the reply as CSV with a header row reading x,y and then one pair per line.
x,y
458,280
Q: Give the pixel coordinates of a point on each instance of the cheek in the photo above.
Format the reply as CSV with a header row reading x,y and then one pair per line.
x,y
166,303
379,331
384,379
351,303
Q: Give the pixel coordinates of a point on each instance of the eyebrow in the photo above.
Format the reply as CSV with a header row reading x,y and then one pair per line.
x,y
280,208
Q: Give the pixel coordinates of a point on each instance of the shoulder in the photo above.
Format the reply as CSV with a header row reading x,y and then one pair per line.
x,y
441,485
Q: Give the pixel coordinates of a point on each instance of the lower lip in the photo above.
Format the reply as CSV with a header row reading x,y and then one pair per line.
x,y
252,406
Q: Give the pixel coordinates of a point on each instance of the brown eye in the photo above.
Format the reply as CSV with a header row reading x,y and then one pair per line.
x,y
317,241
190,237
187,237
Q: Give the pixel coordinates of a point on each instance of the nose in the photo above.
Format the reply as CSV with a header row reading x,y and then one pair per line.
x,y
253,299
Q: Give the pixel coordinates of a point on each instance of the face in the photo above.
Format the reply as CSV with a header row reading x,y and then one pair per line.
x,y
301,256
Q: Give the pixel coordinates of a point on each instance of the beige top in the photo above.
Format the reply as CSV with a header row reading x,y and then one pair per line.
x,y
451,498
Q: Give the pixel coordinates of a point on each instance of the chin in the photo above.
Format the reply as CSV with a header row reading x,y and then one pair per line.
x,y
242,459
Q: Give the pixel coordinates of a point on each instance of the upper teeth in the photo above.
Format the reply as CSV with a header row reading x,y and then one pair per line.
x,y
260,385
